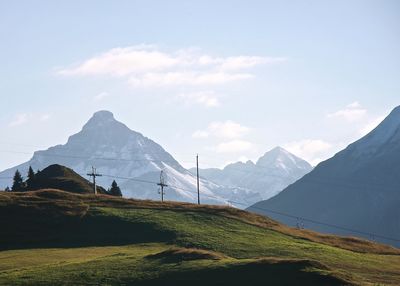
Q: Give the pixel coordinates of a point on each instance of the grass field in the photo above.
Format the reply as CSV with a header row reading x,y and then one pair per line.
x,y
53,238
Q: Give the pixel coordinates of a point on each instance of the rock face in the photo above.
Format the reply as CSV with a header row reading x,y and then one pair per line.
x,y
358,189
131,159
273,172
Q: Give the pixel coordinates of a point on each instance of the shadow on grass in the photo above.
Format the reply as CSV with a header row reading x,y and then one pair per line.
x,y
261,272
51,225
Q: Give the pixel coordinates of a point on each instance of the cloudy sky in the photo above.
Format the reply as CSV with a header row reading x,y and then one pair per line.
x,y
226,79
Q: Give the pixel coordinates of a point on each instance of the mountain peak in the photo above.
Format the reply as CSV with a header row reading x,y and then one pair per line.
x,y
103,115
393,118
273,155
387,133
280,157
396,110
99,119
279,150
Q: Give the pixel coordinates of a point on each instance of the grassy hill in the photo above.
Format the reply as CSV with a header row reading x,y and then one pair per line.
x,y
63,178
51,237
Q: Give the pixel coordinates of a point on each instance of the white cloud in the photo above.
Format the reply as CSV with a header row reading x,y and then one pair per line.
x,y
19,119
146,66
226,130
352,112
355,104
122,62
101,96
312,150
188,78
244,62
371,125
25,118
234,146
205,98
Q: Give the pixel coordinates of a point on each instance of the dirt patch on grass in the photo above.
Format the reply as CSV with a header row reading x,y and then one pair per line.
x,y
175,255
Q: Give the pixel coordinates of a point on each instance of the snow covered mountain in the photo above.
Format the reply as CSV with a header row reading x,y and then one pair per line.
x,y
273,172
357,189
130,158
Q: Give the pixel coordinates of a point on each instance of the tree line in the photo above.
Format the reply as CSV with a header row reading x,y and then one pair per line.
x,y
31,183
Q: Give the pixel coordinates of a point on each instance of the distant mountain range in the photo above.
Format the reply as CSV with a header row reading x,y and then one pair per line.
x,y
136,161
272,172
119,153
357,189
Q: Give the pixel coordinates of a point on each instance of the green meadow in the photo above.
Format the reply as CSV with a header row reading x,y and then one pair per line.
x,y
56,238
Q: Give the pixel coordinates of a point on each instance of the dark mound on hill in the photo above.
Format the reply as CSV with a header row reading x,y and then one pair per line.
x,y
63,178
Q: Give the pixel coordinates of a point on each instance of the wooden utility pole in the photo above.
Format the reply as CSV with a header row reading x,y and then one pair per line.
x,y
162,185
198,181
94,175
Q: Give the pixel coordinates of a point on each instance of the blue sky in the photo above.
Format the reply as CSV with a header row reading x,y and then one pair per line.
x,y
228,80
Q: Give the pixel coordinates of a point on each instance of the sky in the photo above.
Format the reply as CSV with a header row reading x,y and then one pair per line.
x,y
228,80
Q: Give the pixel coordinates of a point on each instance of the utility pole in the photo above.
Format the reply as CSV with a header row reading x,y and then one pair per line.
x,y
94,175
162,185
198,182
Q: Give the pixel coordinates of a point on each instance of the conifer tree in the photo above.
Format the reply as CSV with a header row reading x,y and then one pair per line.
x,y
31,179
18,182
115,190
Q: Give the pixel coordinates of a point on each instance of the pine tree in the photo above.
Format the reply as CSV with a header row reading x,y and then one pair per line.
x,y
115,190
18,184
7,189
31,182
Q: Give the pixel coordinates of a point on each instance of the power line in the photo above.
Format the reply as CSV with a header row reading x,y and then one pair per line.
x,y
301,218
117,159
130,179
174,162
265,209
310,220
239,203
94,174
154,154
326,224
322,180
288,215
162,185
197,177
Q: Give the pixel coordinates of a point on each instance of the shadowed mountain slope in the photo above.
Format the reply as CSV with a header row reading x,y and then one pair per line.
x,y
358,188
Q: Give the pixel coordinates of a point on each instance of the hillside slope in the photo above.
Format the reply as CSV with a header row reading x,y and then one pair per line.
x,y
52,237
60,177
358,188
